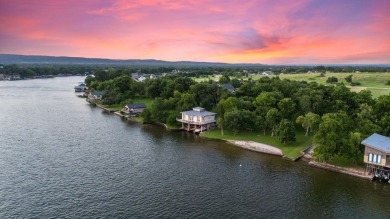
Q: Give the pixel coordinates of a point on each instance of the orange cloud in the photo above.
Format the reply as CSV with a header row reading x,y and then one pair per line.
x,y
260,31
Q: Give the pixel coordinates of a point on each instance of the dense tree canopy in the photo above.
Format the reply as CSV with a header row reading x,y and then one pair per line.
x,y
337,117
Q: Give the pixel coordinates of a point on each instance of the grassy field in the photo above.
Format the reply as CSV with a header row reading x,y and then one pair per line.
x,y
375,82
290,150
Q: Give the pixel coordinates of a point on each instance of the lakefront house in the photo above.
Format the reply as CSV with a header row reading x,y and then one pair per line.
x,y
197,120
82,87
134,108
377,155
95,95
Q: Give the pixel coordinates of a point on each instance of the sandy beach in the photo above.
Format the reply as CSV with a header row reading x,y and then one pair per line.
x,y
258,147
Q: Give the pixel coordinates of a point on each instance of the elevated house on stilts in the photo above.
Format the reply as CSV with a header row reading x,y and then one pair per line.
x,y
197,120
377,156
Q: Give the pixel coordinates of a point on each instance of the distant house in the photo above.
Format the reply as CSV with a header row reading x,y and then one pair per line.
x,y
229,87
81,87
134,109
95,95
2,76
197,120
135,76
142,78
377,155
266,73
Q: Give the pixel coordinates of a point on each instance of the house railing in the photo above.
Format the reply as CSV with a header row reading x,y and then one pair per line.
x,y
194,122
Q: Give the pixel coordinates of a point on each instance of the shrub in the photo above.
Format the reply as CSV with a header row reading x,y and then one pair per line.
x,y
355,83
332,79
349,79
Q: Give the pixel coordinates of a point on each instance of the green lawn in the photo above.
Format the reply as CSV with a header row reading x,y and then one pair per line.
x,y
147,101
375,82
115,107
118,107
290,150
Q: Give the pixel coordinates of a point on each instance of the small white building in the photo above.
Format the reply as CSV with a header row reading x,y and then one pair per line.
x,y
134,109
197,120
266,73
94,96
81,87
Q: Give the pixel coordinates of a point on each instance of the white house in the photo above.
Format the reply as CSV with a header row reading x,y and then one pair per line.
x,y
81,87
142,78
134,109
266,73
197,120
95,95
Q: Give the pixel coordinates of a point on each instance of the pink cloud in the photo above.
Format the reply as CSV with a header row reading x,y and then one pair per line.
x,y
262,31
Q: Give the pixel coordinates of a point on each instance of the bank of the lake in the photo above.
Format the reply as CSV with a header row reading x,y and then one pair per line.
x,y
254,142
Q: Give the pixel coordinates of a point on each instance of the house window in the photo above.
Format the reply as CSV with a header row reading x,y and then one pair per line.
x,y
374,158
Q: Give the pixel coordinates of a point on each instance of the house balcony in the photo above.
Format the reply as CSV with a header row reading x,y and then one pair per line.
x,y
194,122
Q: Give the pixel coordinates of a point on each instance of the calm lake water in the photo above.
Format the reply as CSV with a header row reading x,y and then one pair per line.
x,y
61,158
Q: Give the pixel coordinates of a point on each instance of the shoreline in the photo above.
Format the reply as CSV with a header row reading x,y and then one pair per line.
x,y
268,149
349,171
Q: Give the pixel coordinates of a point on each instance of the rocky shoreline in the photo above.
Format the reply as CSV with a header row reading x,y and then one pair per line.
x,y
267,149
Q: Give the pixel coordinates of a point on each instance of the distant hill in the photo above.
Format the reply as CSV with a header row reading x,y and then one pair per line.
x,y
33,59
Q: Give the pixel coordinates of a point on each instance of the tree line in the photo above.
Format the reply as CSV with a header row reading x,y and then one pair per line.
x,y
32,70
338,118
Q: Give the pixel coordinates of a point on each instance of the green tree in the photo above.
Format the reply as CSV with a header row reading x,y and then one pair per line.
x,y
158,110
147,115
261,123
307,121
273,118
88,80
348,78
332,79
224,79
332,136
220,122
187,101
286,131
238,120
382,113
235,83
287,108
355,148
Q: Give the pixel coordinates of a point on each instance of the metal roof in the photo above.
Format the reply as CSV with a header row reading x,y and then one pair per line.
x,y
379,142
97,93
136,106
228,86
198,113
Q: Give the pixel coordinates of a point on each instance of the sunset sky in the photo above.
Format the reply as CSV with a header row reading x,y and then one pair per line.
x,y
232,31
